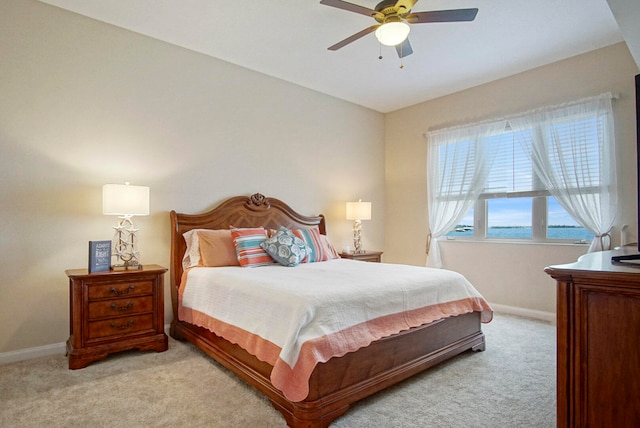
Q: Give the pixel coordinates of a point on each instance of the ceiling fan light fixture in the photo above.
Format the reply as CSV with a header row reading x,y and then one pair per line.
x,y
392,33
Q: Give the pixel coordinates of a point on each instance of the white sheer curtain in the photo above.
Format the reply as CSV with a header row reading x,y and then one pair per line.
x,y
573,155
458,164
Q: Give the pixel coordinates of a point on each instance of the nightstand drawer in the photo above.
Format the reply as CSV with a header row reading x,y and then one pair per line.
x,y
122,289
120,326
119,307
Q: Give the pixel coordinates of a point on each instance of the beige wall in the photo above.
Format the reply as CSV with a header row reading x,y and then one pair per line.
x,y
83,103
507,274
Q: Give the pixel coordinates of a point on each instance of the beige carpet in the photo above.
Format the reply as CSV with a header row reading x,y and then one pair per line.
x,y
511,384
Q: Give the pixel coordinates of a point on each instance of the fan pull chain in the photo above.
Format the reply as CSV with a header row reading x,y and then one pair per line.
x,y
401,64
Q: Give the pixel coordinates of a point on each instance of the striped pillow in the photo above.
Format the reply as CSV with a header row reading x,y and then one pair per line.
x,y
319,252
247,242
331,251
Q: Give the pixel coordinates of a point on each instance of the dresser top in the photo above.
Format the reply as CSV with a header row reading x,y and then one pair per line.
x,y
599,264
145,269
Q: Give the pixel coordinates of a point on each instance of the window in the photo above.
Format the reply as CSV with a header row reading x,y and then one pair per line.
x,y
546,175
514,204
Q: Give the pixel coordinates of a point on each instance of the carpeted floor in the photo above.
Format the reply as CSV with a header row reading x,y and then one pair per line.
x,y
511,384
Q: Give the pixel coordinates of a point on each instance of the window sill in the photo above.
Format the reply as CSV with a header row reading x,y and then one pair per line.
x,y
516,242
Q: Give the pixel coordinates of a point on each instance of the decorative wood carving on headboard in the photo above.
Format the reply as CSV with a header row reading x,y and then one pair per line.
x,y
258,200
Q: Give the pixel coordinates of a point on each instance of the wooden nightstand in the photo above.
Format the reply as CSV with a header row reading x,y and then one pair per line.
x,y
367,256
114,311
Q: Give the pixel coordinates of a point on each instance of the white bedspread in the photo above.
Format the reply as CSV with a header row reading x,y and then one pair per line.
x,y
330,305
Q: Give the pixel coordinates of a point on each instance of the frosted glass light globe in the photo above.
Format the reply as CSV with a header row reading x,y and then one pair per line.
x,y
392,33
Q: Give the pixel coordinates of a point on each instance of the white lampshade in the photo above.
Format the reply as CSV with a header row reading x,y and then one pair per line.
x,y
392,33
359,210
124,199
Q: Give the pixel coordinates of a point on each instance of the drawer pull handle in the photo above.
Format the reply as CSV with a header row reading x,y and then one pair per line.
x,y
122,308
114,291
122,326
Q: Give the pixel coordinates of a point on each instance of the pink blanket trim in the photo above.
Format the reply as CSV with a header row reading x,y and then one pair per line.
x,y
294,382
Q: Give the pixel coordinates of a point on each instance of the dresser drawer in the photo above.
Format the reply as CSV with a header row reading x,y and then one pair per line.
x,y
119,307
120,326
120,289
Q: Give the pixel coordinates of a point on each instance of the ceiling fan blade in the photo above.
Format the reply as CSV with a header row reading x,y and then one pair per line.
x,y
353,38
404,6
350,7
404,49
455,15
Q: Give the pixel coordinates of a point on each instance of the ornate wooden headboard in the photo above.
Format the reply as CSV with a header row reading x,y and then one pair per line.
x,y
239,211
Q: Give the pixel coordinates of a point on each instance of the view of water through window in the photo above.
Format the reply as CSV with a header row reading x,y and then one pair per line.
x,y
510,218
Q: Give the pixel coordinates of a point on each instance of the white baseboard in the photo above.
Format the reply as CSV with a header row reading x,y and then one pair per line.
x,y
523,312
41,351
30,353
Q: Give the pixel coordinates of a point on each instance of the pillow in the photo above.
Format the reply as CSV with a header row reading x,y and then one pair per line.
x,y
247,243
320,248
206,247
331,251
216,248
192,254
286,248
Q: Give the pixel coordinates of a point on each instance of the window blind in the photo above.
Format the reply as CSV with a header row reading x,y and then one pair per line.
x,y
512,170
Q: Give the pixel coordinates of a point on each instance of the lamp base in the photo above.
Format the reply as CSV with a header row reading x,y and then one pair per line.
x,y
357,231
125,245
124,267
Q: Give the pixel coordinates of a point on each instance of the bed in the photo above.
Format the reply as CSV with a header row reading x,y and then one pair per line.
x,y
333,385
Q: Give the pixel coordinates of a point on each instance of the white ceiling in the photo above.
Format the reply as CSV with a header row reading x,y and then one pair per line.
x,y
288,39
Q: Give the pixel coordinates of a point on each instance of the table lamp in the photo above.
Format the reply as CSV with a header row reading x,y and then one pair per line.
x,y
125,201
358,211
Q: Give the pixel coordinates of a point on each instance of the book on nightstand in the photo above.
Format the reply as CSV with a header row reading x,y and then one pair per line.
x,y
99,256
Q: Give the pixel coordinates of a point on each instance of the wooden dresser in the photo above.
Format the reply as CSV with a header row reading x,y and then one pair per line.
x,y
114,311
598,324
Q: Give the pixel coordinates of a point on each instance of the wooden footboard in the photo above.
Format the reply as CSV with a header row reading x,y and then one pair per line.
x,y
341,381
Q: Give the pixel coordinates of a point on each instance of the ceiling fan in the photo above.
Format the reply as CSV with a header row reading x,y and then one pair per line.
x,y
392,17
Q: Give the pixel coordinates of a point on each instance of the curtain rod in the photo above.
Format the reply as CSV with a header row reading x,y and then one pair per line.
x,y
609,95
